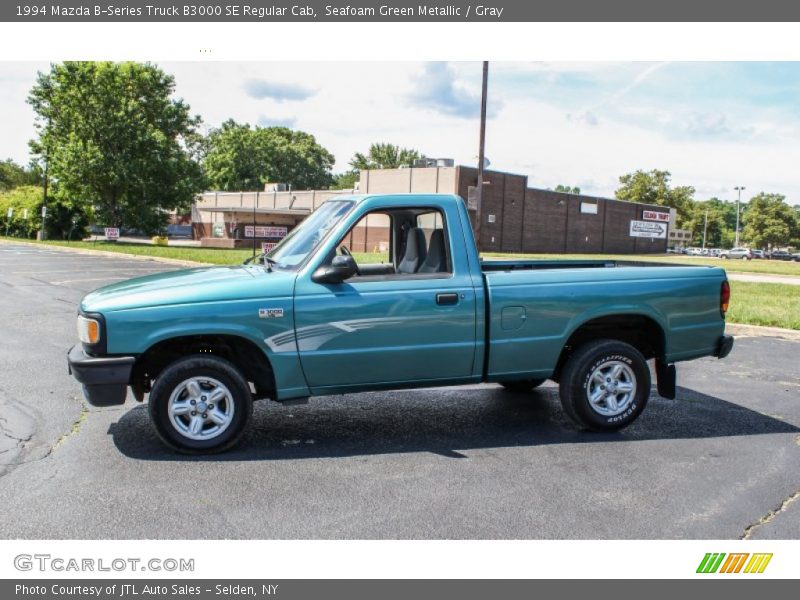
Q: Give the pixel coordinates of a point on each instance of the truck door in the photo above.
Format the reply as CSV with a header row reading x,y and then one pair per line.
x,y
409,317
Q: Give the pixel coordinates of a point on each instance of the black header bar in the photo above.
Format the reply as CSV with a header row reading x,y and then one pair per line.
x,y
400,11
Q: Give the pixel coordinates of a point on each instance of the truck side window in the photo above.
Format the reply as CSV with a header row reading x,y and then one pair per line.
x,y
399,242
370,239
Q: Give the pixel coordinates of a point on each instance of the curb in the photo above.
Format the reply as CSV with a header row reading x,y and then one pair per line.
x,y
169,261
743,330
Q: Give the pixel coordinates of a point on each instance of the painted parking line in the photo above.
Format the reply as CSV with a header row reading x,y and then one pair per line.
x,y
93,270
84,280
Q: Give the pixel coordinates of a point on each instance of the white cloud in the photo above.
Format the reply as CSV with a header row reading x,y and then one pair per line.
x,y
16,115
712,147
276,90
437,88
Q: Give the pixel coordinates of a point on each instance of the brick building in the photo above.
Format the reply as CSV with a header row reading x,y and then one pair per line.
x,y
517,218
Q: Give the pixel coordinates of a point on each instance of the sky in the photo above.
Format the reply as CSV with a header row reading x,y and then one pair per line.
x,y
713,125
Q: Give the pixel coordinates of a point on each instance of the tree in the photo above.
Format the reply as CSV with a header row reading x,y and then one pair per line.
x,y
114,138
379,156
239,157
346,180
769,221
653,188
711,216
568,189
13,175
384,156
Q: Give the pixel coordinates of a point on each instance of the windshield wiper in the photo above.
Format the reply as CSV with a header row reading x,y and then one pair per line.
x,y
263,258
269,261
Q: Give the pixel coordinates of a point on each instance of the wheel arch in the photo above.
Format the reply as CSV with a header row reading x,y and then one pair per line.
x,y
242,352
640,330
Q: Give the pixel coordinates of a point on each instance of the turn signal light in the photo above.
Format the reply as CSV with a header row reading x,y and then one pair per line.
x,y
88,330
724,297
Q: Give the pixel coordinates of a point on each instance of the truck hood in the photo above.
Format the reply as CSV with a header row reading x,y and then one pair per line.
x,y
189,286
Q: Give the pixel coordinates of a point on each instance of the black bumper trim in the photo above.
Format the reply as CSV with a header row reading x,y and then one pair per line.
x,y
105,379
724,346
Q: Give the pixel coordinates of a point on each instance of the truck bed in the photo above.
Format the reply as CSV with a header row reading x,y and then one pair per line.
x,y
492,265
535,306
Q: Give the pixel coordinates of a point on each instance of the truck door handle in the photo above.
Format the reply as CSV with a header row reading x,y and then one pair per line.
x,y
447,299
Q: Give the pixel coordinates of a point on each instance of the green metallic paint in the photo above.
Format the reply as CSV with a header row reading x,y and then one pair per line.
x,y
374,333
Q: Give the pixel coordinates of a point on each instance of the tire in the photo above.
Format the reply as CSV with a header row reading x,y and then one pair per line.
x,y
193,383
523,385
580,378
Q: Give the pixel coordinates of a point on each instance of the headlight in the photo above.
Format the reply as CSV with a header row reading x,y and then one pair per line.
x,y
88,330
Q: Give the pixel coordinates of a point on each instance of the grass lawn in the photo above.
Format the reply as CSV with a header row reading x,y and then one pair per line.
x,y
216,256
770,304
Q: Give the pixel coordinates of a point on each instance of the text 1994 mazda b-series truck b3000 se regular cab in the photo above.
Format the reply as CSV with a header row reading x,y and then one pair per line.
x,y
308,319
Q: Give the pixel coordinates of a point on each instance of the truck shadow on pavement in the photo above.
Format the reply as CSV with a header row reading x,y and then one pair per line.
x,y
444,421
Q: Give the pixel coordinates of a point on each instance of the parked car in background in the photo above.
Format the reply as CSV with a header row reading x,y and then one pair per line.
x,y
758,253
694,251
672,250
782,255
714,252
179,231
741,253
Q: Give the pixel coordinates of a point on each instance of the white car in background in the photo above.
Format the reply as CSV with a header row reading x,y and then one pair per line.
x,y
742,253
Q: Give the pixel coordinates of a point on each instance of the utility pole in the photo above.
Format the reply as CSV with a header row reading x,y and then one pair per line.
x,y
739,189
44,201
481,156
705,230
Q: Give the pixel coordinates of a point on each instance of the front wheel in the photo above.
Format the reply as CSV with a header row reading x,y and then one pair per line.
x,y
200,404
605,385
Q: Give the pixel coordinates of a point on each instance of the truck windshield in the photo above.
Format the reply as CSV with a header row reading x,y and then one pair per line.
x,y
304,239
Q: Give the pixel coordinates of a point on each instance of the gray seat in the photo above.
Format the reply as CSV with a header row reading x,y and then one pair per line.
x,y
435,260
415,251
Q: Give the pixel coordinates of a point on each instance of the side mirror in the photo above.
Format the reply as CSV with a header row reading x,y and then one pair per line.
x,y
340,269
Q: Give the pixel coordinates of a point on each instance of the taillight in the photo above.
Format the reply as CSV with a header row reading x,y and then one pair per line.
x,y
724,298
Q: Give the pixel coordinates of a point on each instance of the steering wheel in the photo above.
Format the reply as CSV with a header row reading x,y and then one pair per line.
x,y
346,252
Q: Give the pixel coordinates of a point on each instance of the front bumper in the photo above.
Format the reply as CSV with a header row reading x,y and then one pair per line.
x,y
724,346
105,379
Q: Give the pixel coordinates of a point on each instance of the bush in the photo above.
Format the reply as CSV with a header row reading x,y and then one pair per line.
x,y
65,219
21,199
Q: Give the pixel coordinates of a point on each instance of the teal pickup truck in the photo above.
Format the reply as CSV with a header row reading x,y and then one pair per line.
x,y
308,319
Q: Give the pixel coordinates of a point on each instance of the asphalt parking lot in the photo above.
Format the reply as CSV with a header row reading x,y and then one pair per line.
x,y
722,461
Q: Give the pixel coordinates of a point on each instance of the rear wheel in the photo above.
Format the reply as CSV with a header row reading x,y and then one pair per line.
x,y
522,385
200,404
605,385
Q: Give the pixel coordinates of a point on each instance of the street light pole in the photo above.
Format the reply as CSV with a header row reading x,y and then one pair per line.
x,y
481,156
739,189
705,230
44,200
